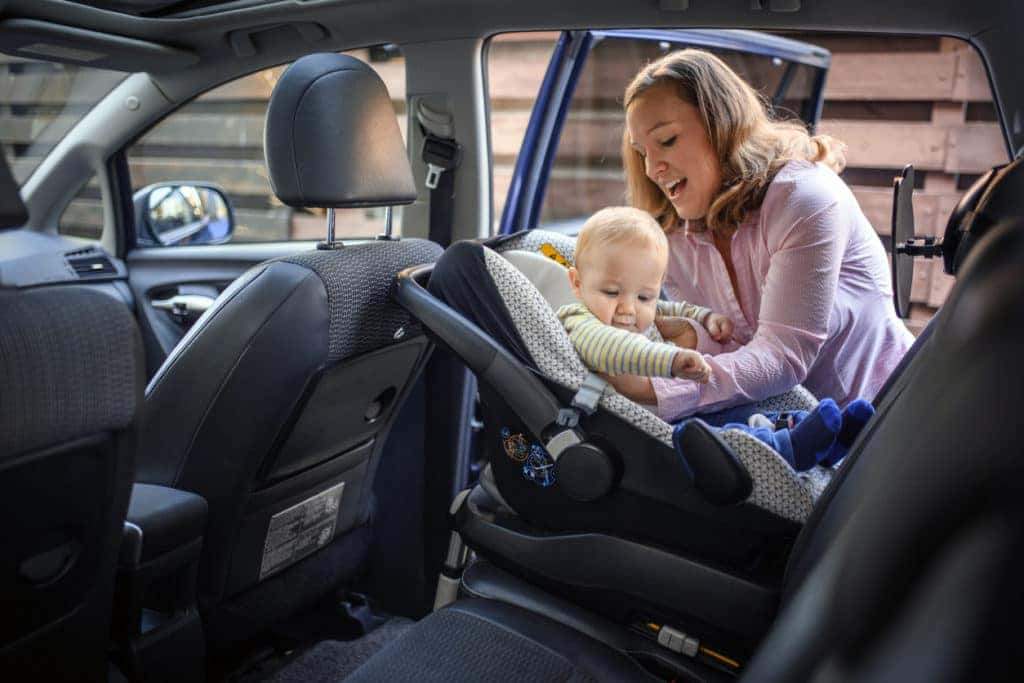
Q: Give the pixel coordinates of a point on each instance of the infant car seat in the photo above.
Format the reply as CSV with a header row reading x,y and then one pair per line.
x,y
607,467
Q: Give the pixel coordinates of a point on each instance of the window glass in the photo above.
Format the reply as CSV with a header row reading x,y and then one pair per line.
x,y
218,139
516,63
83,216
40,102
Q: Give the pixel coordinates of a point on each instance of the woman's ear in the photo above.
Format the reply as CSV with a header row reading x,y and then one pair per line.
x,y
574,281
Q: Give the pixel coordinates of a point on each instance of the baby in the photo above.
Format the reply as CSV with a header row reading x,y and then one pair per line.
x,y
620,327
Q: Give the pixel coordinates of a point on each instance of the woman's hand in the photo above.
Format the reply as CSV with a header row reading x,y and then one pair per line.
x,y
633,387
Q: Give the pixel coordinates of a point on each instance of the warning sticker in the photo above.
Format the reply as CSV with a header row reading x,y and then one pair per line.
x,y
301,529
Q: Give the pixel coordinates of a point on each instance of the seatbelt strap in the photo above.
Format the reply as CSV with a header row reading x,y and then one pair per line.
x,y
442,154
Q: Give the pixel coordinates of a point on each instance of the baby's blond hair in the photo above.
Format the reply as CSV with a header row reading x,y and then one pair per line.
x,y
616,225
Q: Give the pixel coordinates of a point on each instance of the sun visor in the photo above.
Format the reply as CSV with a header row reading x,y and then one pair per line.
x,y
33,39
12,210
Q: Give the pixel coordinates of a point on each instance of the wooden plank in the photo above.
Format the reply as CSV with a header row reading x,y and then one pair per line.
x,y
234,175
241,131
40,129
883,144
259,85
876,203
57,88
871,144
975,147
971,82
891,76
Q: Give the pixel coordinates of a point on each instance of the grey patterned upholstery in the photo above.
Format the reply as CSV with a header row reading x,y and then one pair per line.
x,y
359,280
777,487
69,366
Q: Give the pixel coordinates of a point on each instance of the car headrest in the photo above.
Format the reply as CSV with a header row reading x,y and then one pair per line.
x,y
331,138
12,211
995,197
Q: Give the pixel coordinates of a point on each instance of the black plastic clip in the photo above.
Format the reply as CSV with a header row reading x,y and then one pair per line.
x,y
440,155
926,247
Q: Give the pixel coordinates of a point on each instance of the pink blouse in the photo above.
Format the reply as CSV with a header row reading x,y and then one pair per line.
x,y
813,306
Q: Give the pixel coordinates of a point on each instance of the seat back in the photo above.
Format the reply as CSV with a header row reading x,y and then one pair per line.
x,y
909,570
276,405
71,378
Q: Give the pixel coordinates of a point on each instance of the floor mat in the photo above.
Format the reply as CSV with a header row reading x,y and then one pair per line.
x,y
332,660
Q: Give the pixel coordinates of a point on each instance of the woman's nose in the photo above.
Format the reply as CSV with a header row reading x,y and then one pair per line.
x,y
653,166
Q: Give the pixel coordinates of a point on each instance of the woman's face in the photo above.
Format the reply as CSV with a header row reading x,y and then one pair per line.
x,y
669,134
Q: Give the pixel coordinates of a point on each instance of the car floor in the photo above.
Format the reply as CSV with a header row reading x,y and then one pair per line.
x,y
327,660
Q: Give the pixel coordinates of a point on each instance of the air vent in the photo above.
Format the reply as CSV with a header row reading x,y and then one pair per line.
x,y
89,263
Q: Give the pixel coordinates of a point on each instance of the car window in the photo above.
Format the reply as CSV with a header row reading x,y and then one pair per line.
x,y
83,216
218,140
516,63
40,102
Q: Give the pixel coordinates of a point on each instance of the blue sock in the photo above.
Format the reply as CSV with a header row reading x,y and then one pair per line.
x,y
778,440
815,435
855,416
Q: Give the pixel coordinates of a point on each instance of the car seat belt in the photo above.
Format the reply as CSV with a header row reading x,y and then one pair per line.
x,y
442,155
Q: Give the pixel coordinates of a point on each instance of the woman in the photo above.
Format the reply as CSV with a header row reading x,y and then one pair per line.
x,y
760,229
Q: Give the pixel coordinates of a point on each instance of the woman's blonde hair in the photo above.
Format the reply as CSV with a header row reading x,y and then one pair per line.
x,y
751,147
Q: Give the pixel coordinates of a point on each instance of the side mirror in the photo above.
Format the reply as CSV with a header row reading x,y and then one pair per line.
x,y
181,213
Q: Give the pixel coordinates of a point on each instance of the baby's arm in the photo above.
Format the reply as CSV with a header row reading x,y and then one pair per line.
x,y
610,350
678,331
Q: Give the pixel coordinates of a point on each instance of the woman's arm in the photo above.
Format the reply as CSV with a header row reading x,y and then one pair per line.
x,y
796,303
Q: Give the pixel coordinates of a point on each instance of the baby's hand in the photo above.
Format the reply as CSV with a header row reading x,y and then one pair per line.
x,y
690,365
719,327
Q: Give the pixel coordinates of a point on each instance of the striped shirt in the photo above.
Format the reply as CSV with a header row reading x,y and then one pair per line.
x,y
613,351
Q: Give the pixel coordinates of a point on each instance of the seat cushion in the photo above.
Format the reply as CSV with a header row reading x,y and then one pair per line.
x,y
480,640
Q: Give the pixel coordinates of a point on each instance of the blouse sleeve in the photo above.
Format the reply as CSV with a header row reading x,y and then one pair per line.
x,y
796,301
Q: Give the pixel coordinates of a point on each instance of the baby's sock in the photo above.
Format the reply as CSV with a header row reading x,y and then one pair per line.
x,y
855,416
815,435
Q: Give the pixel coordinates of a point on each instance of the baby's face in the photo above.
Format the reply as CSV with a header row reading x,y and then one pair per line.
x,y
620,283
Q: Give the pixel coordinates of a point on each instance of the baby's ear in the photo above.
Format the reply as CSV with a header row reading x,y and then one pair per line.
x,y
574,280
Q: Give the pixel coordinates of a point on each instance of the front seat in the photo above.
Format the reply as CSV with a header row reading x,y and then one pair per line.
x,y
276,405
71,378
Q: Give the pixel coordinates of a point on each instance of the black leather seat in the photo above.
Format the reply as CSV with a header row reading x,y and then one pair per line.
x,y
909,570
276,405
71,379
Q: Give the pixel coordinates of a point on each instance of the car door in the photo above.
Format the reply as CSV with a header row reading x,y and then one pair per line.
x,y
570,164
203,211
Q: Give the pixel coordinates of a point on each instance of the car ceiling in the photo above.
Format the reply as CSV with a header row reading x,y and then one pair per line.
x,y
201,36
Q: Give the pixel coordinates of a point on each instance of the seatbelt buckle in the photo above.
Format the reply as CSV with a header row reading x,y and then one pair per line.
x,y
440,155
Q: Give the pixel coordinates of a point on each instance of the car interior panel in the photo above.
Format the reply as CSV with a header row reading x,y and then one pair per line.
x,y
285,393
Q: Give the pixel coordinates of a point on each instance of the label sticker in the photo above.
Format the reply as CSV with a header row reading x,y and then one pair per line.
x,y
301,529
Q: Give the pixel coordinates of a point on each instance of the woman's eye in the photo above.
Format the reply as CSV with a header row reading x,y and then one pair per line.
x,y
669,142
